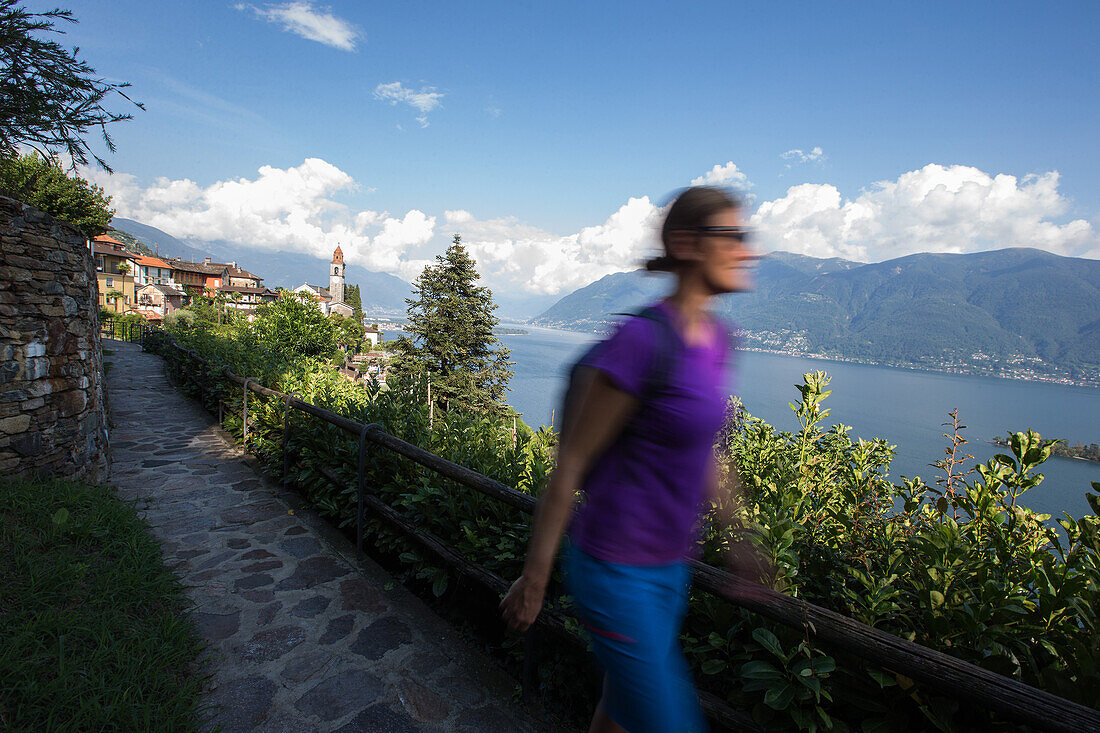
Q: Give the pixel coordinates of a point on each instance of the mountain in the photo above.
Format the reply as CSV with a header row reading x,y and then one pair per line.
x,y
382,294
160,243
1009,307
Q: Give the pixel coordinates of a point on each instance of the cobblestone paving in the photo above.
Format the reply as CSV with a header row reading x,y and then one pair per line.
x,y
302,637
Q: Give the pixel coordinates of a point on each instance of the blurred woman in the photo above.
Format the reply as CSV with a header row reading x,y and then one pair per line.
x,y
642,459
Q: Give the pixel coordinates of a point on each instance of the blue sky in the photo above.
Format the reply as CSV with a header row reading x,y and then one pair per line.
x,y
553,132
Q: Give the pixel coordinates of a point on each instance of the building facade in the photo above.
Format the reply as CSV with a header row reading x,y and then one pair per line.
x,y
115,272
330,300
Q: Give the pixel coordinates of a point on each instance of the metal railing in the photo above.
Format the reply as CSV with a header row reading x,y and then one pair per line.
x,y
134,332
942,673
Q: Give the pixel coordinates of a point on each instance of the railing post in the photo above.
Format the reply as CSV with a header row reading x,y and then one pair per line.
x,y
244,413
360,484
202,383
286,436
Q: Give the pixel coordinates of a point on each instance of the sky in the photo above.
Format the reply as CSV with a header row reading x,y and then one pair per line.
x,y
550,135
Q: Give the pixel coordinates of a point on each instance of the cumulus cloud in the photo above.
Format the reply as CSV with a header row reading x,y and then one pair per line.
x,y
795,155
423,100
934,209
724,175
521,256
303,19
289,209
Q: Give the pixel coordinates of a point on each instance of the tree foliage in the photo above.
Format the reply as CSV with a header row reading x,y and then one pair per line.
x,y
353,298
42,183
49,97
347,331
451,321
294,325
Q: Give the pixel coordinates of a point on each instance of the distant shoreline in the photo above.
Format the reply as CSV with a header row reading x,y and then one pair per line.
x,y
963,371
1062,381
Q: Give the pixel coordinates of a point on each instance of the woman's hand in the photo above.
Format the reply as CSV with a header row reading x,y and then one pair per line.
x,y
522,603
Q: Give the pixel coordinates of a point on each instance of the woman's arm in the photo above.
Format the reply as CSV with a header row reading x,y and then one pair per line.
x,y
596,421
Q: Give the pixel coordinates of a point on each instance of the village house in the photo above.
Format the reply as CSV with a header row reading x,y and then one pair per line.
x,y
247,298
192,276
160,300
152,271
115,272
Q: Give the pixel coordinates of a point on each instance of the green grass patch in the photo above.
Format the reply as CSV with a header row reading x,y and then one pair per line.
x,y
95,631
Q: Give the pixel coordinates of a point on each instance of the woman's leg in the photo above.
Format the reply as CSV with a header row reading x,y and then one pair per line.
x,y
601,722
633,616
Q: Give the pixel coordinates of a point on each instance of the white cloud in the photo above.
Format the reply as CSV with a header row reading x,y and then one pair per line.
x,y
291,209
816,155
458,216
935,209
315,24
424,100
724,175
521,256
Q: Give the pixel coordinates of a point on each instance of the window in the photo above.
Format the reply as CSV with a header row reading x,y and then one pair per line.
x,y
110,281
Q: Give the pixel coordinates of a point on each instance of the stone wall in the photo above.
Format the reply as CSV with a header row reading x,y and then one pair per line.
x,y
52,417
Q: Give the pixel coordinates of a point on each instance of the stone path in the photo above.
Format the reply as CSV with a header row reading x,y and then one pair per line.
x,y
303,637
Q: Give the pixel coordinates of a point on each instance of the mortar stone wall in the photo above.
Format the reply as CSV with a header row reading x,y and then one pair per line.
x,y
52,416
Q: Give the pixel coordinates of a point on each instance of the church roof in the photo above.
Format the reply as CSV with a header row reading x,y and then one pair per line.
x,y
338,255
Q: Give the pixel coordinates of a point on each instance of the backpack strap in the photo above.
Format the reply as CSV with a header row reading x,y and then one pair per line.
x,y
667,341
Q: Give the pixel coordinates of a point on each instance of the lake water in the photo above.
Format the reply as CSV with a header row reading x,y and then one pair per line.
x,y
905,407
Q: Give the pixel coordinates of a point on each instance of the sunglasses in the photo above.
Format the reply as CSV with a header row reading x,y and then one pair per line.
x,y
734,234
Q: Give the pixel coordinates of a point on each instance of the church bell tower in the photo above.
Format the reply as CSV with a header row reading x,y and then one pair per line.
x,y
336,276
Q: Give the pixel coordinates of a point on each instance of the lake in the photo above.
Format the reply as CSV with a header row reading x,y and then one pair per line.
x,y
905,407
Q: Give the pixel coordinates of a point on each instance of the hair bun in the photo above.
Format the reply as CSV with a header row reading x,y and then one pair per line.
x,y
664,263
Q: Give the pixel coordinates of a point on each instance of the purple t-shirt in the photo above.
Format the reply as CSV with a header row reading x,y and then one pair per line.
x,y
644,496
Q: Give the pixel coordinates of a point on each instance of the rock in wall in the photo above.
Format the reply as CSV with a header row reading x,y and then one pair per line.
x,y
52,417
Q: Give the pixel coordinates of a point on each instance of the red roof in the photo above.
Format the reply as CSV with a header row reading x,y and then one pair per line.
x,y
107,239
111,248
153,262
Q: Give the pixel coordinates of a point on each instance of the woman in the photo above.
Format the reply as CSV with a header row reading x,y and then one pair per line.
x,y
643,460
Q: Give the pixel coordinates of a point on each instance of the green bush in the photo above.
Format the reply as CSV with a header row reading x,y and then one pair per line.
x,y
960,566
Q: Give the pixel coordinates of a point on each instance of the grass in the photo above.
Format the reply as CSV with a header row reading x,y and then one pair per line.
x,y
95,634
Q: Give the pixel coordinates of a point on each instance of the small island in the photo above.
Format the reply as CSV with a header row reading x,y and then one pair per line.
x,y
1063,449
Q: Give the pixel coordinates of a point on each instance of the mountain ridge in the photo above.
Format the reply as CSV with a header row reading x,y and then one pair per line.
x,y
1020,310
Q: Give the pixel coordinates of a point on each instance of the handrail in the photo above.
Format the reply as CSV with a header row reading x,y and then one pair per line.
x,y
947,675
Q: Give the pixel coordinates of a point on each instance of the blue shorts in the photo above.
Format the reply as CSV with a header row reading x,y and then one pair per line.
x,y
633,613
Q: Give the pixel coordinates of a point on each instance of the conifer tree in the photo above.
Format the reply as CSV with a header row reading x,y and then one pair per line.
x,y
355,300
49,97
451,321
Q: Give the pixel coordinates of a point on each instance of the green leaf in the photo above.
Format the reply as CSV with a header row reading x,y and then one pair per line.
x,y
760,671
439,585
769,641
713,666
779,699
936,598
60,517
